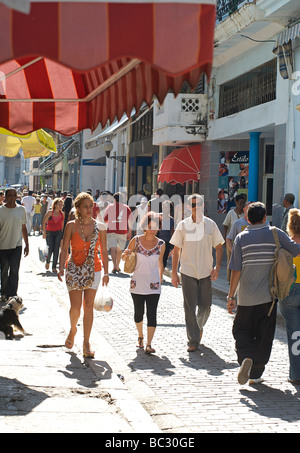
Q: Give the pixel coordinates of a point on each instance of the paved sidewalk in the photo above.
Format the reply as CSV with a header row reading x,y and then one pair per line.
x,y
44,388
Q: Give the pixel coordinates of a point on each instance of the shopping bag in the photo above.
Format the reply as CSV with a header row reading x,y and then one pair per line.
x,y
103,300
43,250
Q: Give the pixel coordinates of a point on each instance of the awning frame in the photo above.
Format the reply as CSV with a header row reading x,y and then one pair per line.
x,y
104,86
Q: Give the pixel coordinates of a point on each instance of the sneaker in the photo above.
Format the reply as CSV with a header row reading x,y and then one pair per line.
x,y
244,373
256,381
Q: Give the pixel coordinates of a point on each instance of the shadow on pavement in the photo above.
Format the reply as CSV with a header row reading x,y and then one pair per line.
x,y
16,397
206,359
161,366
269,402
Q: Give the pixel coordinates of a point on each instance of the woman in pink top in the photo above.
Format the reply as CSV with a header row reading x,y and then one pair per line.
x,y
54,220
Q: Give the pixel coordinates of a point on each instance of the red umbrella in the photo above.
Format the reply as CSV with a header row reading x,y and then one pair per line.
x,y
69,66
181,165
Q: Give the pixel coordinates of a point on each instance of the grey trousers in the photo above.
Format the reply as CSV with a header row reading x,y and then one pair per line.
x,y
196,293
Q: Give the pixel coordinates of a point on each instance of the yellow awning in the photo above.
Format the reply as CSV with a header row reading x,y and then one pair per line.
x,y
37,144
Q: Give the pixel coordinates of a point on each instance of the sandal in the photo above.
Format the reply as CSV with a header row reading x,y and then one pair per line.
x,y
88,354
68,343
149,349
140,343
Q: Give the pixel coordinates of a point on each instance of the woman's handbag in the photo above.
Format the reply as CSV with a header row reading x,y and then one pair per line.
x,y
130,262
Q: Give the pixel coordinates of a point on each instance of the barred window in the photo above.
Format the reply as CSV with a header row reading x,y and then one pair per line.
x,y
227,7
254,88
143,128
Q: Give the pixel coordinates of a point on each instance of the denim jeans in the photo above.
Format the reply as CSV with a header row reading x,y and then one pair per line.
x,y
53,241
290,310
10,263
197,295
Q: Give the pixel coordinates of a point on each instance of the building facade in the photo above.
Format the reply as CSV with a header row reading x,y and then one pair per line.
x,y
251,135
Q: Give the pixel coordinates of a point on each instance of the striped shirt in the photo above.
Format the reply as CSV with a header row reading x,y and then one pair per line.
x,y
253,255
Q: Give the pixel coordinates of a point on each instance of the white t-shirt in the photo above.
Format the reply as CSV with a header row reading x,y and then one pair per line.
x,y
28,203
196,242
231,217
11,221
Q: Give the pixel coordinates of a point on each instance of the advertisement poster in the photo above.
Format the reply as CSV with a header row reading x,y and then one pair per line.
x,y
233,178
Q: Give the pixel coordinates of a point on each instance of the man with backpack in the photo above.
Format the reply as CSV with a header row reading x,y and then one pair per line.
x,y
252,263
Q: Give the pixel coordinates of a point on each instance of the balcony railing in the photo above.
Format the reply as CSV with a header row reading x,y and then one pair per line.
x,y
180,120
227,7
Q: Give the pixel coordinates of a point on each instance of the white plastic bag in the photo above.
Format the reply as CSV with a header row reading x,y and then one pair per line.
x,y
103,300
43,250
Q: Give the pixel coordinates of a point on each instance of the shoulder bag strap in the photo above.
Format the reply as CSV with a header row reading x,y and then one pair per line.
x,y
276,239
94,239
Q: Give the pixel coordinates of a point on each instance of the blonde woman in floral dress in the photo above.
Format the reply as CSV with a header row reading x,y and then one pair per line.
x,y
87,238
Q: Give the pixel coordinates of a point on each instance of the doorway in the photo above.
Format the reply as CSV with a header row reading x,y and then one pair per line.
x,y
268,179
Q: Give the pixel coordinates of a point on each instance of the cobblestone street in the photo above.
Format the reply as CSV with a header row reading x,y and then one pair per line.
x,y
183,392
200,389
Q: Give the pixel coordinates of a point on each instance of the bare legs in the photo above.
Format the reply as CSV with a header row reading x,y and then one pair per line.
x,y
150,332
116,255
77,298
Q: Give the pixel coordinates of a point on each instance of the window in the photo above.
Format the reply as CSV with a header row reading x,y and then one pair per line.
x,y
143,127
227,7
269,159
254,88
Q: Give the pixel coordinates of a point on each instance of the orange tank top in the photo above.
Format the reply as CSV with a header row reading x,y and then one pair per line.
x,y
79,254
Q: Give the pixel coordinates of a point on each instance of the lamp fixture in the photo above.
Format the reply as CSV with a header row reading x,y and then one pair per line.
x,y
108,147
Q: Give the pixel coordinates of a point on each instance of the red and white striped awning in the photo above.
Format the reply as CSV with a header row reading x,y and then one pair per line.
x,y
69,66
181,165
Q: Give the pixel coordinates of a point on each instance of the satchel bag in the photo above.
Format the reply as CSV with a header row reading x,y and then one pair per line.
x,y
82,277
282,275
130,262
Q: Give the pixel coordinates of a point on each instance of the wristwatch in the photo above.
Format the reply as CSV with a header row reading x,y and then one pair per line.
x,y
231,298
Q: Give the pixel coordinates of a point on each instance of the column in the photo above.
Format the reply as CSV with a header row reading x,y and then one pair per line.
x,y
253,166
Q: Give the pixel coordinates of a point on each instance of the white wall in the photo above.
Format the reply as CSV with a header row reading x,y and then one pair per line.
x,y
293,135
92,176
174,125
255,118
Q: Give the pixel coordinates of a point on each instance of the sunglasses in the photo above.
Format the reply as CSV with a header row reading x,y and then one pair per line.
x,y
194,205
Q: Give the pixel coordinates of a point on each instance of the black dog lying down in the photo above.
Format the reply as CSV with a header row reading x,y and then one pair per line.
x,y
9,317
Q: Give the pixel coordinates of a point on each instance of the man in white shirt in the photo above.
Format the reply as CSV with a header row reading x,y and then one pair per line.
x,y
193,240
28,202
12,229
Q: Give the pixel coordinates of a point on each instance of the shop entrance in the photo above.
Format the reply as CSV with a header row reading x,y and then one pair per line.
x,y
140,175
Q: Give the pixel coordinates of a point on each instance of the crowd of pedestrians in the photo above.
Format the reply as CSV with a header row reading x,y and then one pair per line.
x,y
80,233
